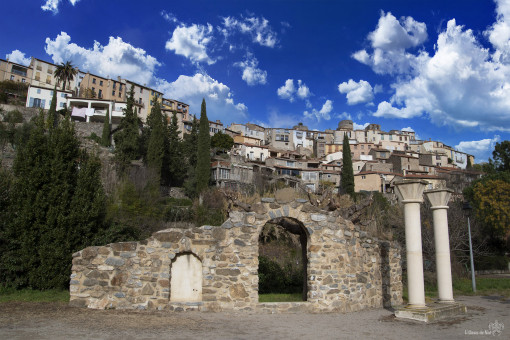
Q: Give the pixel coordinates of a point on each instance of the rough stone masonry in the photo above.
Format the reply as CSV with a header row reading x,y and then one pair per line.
x,y
347,270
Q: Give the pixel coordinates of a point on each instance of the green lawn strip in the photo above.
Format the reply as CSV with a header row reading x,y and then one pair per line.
x,y
462,286
280,297
29,295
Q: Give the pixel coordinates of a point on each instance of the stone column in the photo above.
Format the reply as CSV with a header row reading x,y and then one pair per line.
x,y
439,198
410,193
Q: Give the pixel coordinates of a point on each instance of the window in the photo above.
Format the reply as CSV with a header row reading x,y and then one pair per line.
x,y
12,77
113,93
61,104
62,95
382,137
120,87
362,147
100,83
23,80
94,89
38,91
114,85
141,90
93,80
100,95
363,177
438,158
290,163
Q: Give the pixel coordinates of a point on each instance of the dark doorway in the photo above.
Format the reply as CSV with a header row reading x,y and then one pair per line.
x,y
283,259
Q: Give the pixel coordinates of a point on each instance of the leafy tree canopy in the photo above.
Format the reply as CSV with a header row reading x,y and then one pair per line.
x,y
222,141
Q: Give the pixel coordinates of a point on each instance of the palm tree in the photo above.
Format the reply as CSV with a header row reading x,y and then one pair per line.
x,y
65,73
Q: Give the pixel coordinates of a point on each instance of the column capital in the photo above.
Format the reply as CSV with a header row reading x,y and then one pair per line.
x,y
410,191
439,198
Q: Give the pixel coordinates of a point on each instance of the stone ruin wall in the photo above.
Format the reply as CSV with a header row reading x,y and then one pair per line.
x,y
347,270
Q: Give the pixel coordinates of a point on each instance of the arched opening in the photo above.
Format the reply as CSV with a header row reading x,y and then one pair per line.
x,y
186,278
283,261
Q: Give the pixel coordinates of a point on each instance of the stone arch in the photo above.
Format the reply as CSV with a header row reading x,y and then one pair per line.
x,y
186,278
296,227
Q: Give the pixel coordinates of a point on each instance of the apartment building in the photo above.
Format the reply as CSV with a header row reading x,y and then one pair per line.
x,y
43,74
249,130
41,97
15,72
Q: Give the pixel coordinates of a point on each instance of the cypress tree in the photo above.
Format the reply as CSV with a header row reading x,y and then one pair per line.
x,y
190,151
347,178
105,137
56,205
127,140
175,157
52,112
203,168
156,141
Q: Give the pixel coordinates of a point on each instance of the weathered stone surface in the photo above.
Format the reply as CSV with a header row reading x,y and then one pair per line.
x,y
119,279
219,234
168,236
267,200
240,243
124,246
147,290
116,262
89,253
318,217
237,291
228,272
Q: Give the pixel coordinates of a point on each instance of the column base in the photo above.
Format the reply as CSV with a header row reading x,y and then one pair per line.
x,y
432,312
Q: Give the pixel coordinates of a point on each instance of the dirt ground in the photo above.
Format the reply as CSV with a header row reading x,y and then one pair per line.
x,y
58,321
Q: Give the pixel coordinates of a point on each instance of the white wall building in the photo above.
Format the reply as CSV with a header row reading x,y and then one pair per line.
x,y
38,96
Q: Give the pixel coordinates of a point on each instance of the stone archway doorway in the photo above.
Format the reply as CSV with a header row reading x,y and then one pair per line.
x,y
283,259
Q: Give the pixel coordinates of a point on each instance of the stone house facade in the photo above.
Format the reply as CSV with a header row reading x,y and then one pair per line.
x,y
214,268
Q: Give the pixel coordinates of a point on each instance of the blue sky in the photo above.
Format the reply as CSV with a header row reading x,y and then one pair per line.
x,y
441,68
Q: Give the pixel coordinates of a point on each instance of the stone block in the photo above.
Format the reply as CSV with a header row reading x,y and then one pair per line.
x,y
116,262
124,246
168,236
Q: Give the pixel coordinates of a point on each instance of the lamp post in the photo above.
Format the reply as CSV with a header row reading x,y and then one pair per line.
x,y
467,208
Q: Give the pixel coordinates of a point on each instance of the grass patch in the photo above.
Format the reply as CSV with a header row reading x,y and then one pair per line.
x,y
462,286
29,295
484,286
296,297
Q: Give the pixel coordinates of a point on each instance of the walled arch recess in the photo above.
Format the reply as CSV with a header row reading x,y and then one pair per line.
x,y
186,278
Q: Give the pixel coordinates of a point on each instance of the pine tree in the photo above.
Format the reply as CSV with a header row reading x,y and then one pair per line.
x,y
156,141
203,169
175,156
105,138
127,140
347,177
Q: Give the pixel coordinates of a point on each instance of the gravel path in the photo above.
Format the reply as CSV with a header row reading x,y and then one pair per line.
x,y
58,321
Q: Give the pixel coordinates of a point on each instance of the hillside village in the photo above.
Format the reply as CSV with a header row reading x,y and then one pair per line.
x,y
297,156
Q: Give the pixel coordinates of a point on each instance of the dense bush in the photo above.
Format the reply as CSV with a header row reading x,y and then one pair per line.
x,y
275,279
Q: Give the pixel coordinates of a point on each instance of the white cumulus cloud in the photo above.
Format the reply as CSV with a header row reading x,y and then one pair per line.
x,y
357,92
117,58
389,42
18,57
52,5
191,42
289,90
258,29
481,149
218,96
252,75
460,85
323,113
